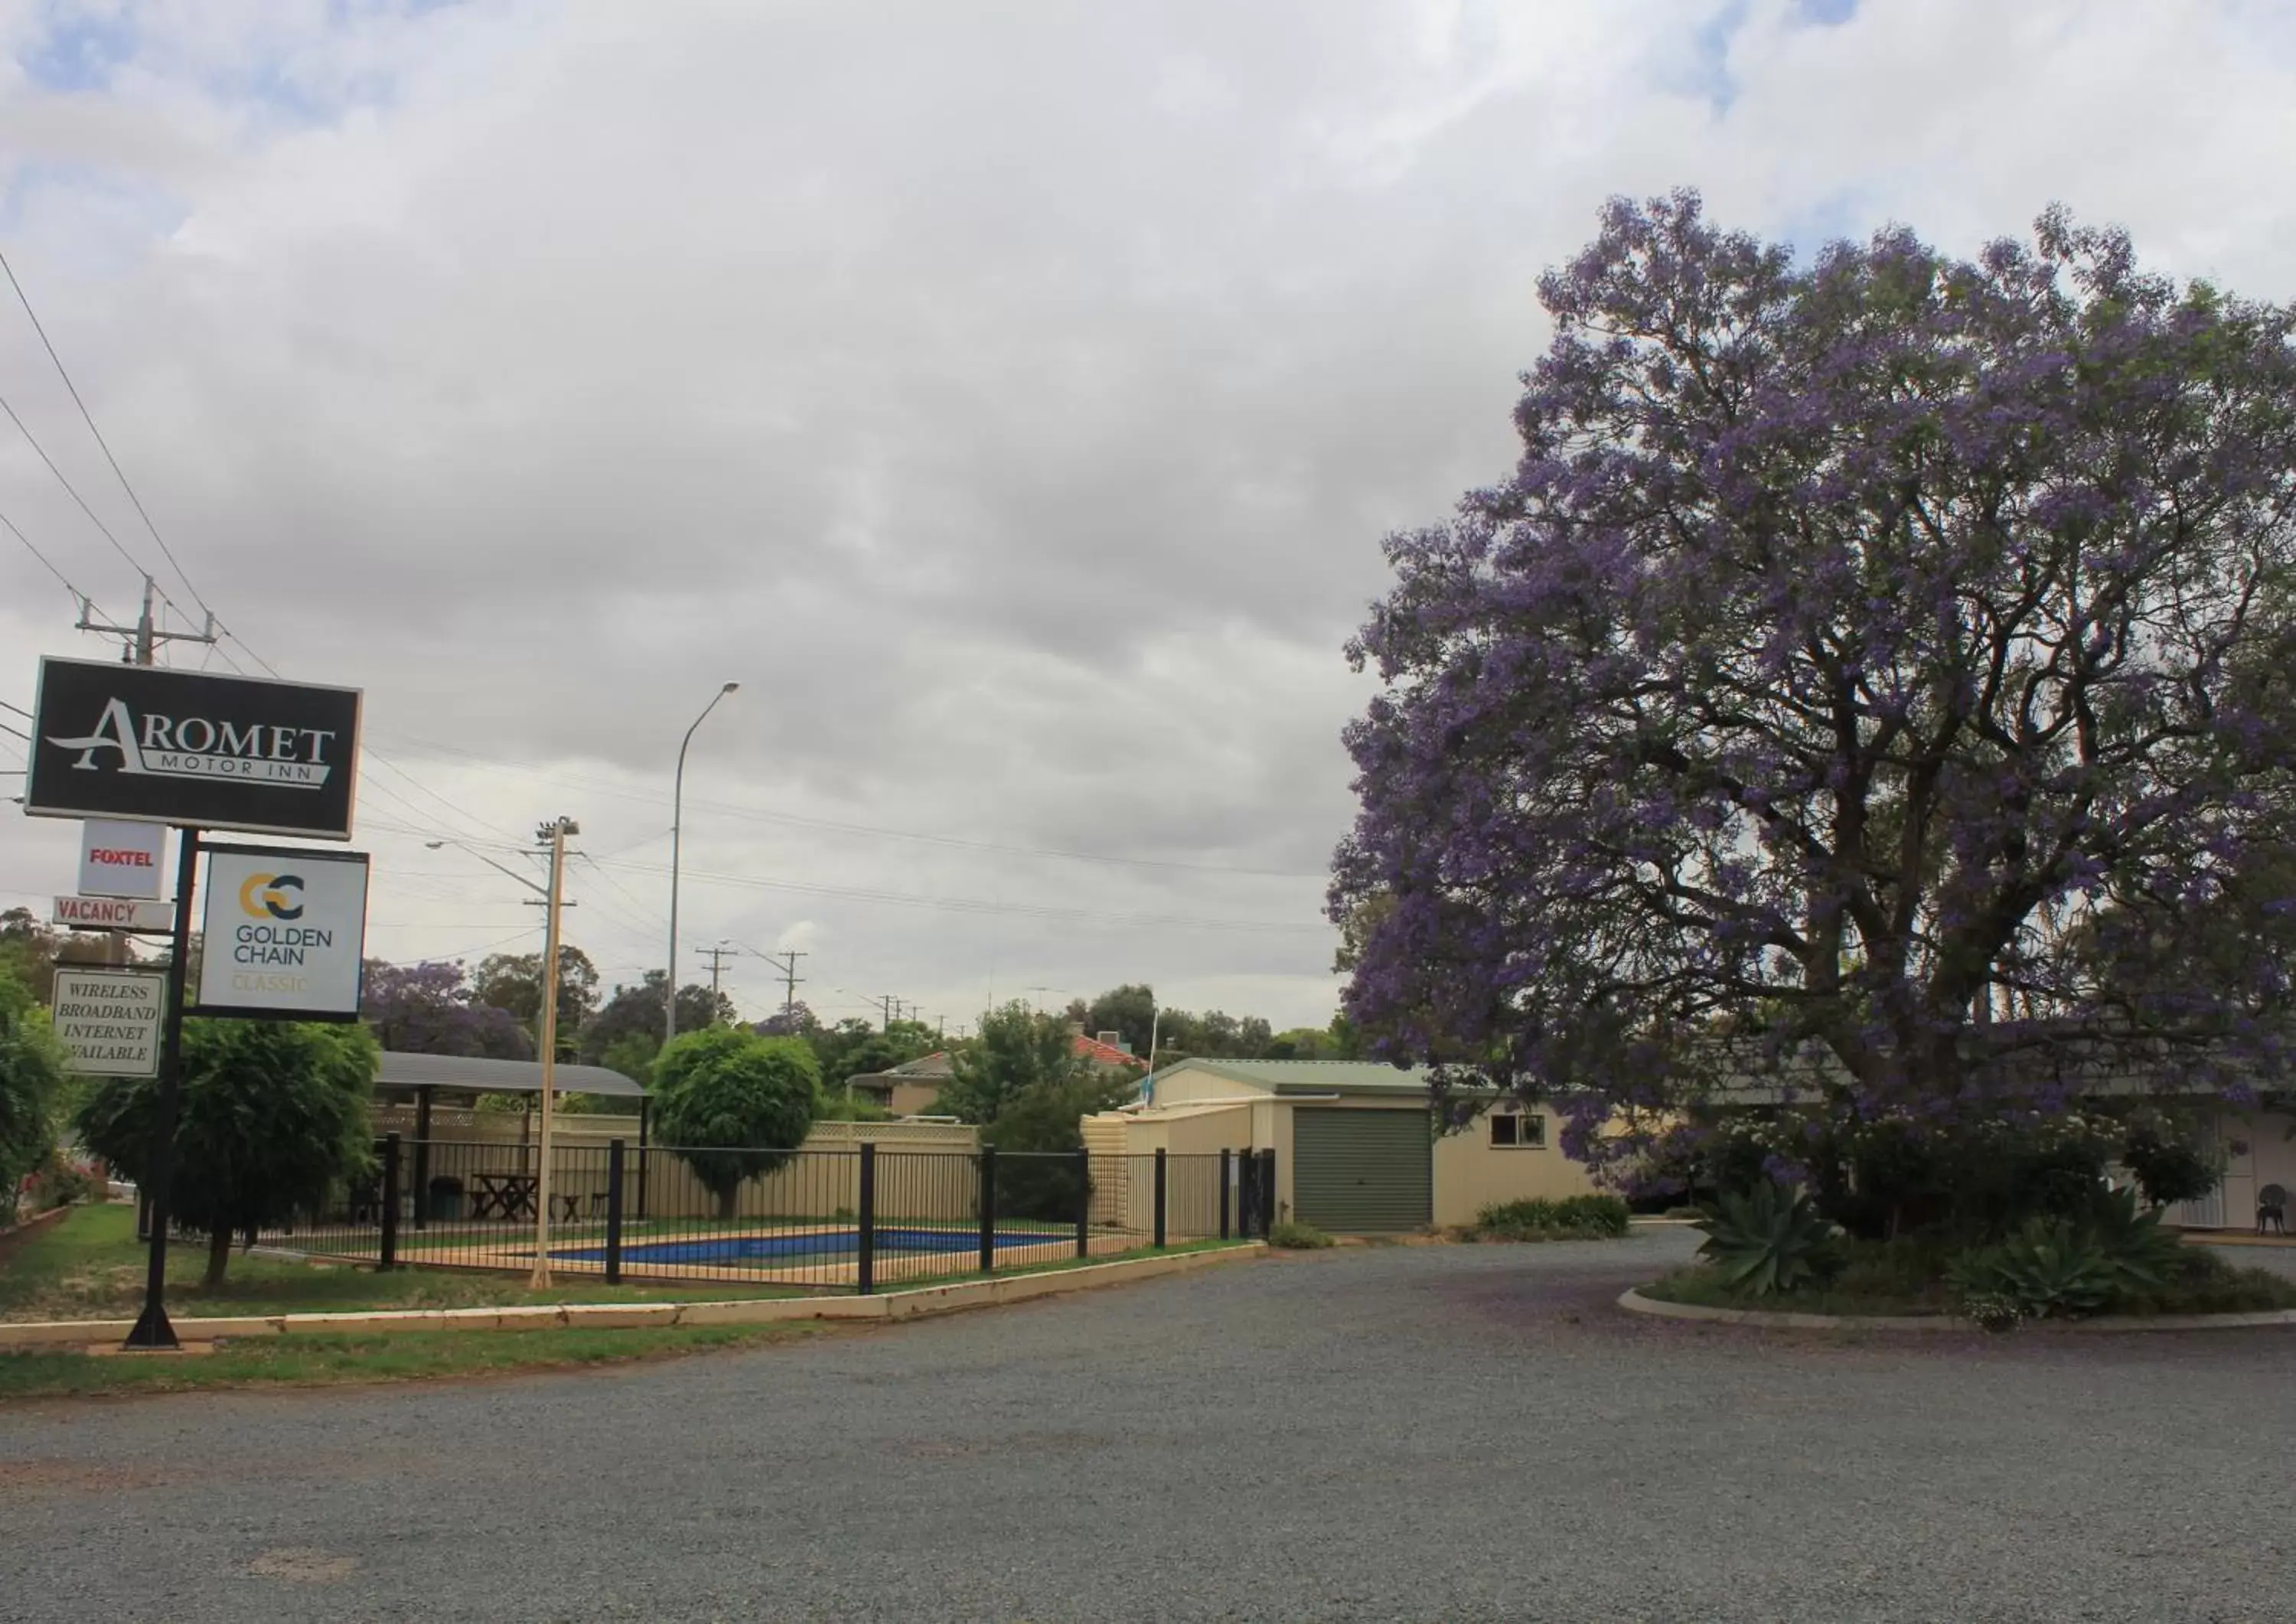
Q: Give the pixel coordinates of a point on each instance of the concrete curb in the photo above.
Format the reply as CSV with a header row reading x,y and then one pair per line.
x,y
1634,1302
913,1304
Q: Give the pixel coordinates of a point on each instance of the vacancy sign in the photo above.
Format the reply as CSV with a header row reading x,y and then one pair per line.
x,y
114,914
286,933
120,859
108,1020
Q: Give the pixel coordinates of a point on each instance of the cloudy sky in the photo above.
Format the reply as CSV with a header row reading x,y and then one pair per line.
x,y
1010,396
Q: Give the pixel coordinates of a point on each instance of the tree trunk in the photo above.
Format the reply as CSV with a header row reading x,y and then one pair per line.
x,y
725,1202
219,1254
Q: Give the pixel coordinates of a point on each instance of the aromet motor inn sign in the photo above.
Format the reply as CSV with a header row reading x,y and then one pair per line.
x,y
151,746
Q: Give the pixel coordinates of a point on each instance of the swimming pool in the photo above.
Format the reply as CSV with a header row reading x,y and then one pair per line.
x,y
810,1243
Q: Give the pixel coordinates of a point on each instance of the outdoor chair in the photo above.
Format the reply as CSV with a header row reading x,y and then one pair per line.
x,y
2272,1209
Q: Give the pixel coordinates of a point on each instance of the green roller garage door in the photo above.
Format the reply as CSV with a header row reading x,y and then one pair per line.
x,y
1362,1172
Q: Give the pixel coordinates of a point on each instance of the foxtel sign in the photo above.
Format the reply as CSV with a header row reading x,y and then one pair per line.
x,y
148,745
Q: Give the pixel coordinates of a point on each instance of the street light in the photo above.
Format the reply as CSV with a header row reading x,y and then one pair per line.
x,y
534,886
676,819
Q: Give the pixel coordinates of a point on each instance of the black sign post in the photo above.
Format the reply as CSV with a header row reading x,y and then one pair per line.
x,y
185,748
151,1328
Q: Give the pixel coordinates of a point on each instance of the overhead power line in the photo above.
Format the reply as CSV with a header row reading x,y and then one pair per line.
x,y
957,904
143,514
72,490
166,552
49,564
977,904
834,826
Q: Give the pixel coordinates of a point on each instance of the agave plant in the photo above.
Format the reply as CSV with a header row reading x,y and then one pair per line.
x,y
2050,1268
1767,1241
2136,1250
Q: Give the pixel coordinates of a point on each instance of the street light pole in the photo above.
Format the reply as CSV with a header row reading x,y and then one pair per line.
x,y
676,841
555,834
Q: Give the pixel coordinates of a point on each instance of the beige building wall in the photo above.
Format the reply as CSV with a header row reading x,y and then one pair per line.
x,y
924,1169
915,1099
2257,1152
1191,1137
1471,1172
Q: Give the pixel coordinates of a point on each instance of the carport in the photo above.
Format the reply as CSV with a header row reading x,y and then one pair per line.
x,y
463,1078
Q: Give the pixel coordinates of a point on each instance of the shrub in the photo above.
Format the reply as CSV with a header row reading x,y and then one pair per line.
x,y
2168,1160
734,1105
1294,1236
835,1105
1991,1311
1766,1241
2201,1282
60,1182
2051,1268
1537,1218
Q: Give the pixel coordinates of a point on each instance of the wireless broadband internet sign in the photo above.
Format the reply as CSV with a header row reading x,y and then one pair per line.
x,y
151,746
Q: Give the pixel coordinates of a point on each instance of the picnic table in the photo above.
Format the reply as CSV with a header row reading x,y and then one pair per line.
x,y
511,1195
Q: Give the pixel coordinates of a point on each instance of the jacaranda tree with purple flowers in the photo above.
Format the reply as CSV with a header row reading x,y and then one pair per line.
x,y
1872,688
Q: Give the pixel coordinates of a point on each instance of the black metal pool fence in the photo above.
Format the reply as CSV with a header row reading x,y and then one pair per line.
x,y
857,1219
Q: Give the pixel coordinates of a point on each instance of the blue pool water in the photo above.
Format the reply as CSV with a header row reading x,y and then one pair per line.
x,y
815,1243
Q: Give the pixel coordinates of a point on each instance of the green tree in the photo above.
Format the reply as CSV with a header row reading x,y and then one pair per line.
x,y
1017,1050
633,1055
1129,1010
853,1047
638,1009
1043,1117
1302,1043
273,1117
31,1086
512,982
28,951
734,1105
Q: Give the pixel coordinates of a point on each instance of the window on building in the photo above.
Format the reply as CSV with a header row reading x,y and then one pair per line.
x,y
1519,1132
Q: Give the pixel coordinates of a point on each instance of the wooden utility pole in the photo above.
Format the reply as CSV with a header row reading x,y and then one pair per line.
x,y
555,834
786,962
717,955
144,638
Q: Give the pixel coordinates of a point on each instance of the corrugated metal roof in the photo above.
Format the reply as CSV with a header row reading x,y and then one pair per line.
x,y
466,1074
1307,1076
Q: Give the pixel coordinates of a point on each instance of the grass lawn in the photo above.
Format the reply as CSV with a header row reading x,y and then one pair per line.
x,y
89,1266
400,1357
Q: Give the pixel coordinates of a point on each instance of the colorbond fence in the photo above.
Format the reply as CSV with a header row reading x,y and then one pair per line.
x,y
819,1220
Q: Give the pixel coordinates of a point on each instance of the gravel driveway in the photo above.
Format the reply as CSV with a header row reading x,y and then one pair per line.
x,y
1426,1433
